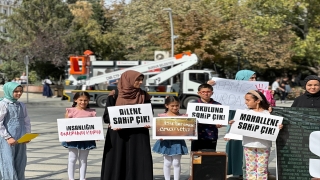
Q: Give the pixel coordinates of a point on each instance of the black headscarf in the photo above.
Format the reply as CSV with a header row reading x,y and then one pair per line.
x,y
308,100
309,78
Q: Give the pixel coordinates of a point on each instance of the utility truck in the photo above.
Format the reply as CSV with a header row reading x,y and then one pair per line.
x,y
156,81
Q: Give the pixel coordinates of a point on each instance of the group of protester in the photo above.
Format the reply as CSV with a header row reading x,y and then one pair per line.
x,y
282,86
127,152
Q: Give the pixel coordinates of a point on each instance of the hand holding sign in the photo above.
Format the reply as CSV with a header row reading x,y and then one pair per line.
x,y
211,82
147,126
218,125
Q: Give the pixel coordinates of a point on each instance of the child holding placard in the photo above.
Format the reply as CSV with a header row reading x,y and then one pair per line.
x,y
172,150
79,149
207,133
257,151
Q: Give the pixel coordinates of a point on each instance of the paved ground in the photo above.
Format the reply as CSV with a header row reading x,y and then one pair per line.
x,y
47,159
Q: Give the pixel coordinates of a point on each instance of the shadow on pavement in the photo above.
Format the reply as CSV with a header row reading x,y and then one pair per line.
x,y
160,177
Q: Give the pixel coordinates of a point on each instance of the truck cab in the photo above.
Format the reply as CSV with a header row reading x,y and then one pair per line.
x,y
191,80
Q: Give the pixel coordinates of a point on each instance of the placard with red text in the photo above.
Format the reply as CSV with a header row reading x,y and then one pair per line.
x,y
80,129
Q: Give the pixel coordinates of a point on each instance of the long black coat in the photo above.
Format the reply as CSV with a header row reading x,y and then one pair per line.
x,y
307,100
127,152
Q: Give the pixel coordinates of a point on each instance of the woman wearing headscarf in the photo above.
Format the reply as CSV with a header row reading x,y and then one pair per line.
x,y
234,148
46,87
14,123
127,152
311,98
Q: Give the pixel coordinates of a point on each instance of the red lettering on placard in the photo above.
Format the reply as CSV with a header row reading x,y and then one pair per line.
x,y
80,133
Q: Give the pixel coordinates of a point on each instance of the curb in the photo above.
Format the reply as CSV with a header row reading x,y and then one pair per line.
x,y
62,103
49,104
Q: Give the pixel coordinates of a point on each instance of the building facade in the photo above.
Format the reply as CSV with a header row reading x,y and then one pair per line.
x,y
6,8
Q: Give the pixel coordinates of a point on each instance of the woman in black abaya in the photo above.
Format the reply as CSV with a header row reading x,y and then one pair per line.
x,y
127,152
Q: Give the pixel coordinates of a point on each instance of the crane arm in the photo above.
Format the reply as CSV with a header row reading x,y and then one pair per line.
x,y
141,68
163,76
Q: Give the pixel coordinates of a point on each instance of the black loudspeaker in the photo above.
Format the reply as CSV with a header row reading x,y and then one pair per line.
x,y
208,166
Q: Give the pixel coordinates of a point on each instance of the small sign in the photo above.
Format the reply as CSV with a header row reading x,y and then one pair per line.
x,y
80,129
130,116
208,113
26,60
174,128
256,125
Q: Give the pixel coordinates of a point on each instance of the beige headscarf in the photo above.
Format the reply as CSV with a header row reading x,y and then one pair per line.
x,y
129,95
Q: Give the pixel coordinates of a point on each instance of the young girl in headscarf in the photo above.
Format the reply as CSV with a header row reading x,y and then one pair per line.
x,y
127,152
14,123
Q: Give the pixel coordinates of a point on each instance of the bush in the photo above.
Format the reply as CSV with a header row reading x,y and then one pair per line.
x,y
33,77
295,92
12,69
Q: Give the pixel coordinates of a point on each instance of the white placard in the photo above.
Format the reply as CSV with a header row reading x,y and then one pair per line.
x,y
257,125
130,116
314,164
80,129
208,113
175,127
231,92
233,136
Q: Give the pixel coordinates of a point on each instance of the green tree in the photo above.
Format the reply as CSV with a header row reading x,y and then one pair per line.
x,y
91,30
12,69
295,24
46,68
39,28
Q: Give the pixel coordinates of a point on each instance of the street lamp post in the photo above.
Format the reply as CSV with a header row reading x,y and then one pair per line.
x,y
171,26
169,10
26,62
